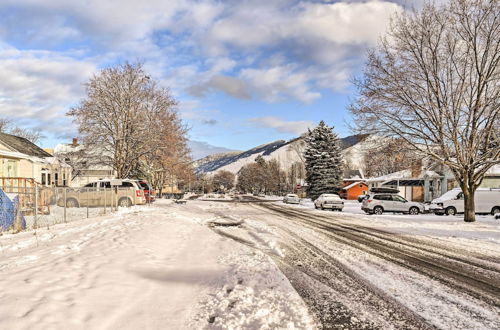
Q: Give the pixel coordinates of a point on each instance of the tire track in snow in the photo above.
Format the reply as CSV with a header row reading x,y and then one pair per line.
x,y
470,280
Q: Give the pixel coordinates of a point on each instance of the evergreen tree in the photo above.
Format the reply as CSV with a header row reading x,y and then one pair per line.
x,y
323,161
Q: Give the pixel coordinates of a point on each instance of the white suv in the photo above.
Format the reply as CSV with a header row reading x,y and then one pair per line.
x,y
329,201
380,203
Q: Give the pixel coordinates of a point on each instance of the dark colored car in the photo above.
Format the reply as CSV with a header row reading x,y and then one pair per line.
x,y
149,193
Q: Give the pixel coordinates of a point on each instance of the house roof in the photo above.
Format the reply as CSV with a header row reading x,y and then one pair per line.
x,y
353,184
23,146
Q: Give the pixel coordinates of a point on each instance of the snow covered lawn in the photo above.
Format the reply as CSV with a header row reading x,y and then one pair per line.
x,y
158,267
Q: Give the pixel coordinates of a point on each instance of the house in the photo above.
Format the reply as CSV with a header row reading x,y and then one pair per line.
x,y
492,178
85,164
353,188
22,159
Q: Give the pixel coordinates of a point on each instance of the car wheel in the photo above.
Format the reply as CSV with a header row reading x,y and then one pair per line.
x,y
124,202
315,206
451,210
322,207
71,202
495,210
414,210
378,210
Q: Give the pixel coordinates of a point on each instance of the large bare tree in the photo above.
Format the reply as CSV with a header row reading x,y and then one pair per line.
x,y
124,117
434,81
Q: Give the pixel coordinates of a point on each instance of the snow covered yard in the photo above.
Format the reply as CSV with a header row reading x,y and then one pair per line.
x,y
147,267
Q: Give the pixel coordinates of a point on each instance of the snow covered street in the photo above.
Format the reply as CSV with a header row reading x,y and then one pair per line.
x,y
251,264
355,272
153,267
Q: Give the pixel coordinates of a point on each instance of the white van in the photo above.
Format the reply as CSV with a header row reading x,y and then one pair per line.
x,y
487,201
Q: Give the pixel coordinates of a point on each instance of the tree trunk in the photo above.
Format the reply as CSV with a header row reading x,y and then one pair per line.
x,y
469,205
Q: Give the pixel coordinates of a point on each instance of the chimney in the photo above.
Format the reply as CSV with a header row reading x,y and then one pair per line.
x,y
416,168
75,142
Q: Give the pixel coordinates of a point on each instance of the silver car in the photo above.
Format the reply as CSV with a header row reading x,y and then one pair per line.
x,y
380,203
291,199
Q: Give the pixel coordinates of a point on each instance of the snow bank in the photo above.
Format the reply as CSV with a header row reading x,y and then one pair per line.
x,y
256,296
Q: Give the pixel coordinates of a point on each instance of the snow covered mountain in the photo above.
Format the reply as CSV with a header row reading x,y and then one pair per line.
x,y
286,152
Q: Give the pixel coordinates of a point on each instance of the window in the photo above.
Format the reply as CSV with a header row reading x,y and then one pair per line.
x,y
397,198
8,168
56,178
382,197
127,184
44,179
48,178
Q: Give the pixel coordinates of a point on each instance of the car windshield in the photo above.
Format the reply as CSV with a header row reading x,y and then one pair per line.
x,y
293,196
144,185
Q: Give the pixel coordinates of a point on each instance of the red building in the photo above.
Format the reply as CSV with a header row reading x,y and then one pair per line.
x,y
352,189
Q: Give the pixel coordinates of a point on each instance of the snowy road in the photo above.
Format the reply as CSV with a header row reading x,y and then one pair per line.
x,y
354,275
157,267
251,265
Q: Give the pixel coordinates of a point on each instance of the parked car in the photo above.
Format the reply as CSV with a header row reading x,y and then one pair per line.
x,y
487,201
149,192
329,201
100,193
291,199
378,203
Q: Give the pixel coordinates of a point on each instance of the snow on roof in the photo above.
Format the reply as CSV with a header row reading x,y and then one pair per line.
x,y
391,176
353,184
65,148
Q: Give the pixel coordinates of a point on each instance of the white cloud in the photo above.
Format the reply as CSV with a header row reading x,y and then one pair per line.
x,y
273,50
230,85
291,127
40,85
277,83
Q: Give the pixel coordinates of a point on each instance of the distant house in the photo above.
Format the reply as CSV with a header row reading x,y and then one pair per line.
x,y
85,164
352,189
22,159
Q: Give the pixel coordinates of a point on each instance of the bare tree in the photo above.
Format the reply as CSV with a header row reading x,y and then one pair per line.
x,y
434,81
31,135
123,117
389,156
224,179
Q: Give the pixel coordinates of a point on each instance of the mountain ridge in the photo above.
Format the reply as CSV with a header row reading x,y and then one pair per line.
x,y
279,149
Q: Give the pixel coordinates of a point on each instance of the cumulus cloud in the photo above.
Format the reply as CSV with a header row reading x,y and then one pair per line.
x,y
39,84
230,85
282,126
269,50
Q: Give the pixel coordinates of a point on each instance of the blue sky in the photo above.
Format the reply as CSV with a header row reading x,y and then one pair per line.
x,y
245,72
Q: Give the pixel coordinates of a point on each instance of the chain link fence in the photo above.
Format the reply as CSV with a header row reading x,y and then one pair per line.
x,y
24,208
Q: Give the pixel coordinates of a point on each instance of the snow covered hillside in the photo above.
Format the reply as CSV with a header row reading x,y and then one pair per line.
x,y
286,152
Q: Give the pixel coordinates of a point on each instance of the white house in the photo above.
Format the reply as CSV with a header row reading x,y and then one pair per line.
x,y
19,158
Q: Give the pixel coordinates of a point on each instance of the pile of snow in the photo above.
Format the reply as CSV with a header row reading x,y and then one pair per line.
x,y
256,296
